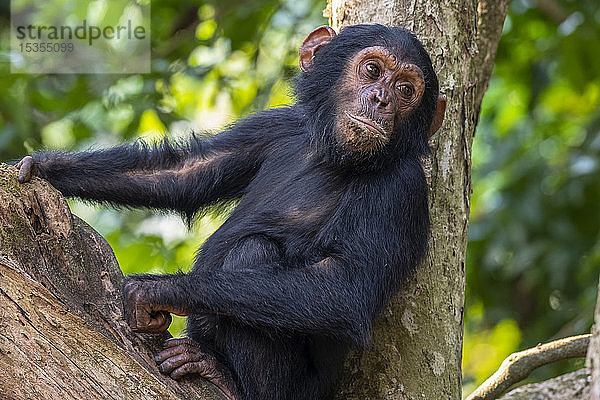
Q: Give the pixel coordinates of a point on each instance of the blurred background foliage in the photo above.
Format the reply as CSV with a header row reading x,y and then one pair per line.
x,y
534,236
534,250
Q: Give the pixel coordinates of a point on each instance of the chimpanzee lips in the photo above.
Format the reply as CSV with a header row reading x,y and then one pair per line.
x,y
373,126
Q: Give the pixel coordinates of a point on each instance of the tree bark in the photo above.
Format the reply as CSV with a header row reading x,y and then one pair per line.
x,y
416,350
62,334
593,355
571,386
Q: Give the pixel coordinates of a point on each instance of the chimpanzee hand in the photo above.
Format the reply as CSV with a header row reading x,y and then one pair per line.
x,y
142,313
27,169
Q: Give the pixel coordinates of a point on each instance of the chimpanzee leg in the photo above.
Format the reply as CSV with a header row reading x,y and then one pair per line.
x,y
202,327
184,356
268,365
257,365
273,365
196,355
249,252
254,251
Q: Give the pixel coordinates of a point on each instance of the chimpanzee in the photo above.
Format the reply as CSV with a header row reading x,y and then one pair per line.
x,y
332,216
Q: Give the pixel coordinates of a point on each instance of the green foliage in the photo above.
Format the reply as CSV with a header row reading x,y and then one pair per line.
x,y
534,234
212,62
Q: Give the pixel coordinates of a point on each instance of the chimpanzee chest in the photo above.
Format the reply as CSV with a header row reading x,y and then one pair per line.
x,y
289,201
298,205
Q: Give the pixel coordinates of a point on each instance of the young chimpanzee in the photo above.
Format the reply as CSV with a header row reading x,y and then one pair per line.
x,y
333,215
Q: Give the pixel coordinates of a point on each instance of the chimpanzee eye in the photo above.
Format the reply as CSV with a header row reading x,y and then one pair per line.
x,y
373,70
406,90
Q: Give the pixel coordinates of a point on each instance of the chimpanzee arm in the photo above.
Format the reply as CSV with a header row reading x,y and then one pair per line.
x,y
183,178
338,296
330,298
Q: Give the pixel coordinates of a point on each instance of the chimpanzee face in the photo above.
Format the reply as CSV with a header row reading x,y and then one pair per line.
x,y
378,92
369,96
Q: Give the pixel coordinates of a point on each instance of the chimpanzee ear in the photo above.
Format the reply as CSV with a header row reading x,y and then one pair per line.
x,y
438,116
317,38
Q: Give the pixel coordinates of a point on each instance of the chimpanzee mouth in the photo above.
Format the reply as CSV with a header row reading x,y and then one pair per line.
x,y
369,124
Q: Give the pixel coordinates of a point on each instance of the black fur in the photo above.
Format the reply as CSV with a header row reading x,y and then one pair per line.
x,y
316,245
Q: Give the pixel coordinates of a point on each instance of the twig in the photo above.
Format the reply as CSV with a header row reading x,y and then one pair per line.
x,y
518,366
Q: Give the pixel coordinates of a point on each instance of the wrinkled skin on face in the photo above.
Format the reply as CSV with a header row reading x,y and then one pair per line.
x,y
378,92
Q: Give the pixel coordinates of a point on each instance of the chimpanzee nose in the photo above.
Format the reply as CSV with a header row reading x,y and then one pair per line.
x,y
381,97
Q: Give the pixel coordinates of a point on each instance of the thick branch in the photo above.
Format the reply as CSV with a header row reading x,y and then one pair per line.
x,y
572,386
518,366
62,334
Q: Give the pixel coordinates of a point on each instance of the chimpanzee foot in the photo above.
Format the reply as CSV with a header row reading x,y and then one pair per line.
x,y
184,356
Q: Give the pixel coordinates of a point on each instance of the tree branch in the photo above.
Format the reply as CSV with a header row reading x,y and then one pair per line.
x,y
62,332
518,366
490,20
571,386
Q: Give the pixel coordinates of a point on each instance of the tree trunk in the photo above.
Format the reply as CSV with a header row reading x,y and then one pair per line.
x,y
593,355
416,350
62,334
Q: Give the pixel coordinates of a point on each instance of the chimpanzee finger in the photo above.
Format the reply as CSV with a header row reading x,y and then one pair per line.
x,y
172,342
184,346
175,361
25,167
140,313
146,320
158,321
198,367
